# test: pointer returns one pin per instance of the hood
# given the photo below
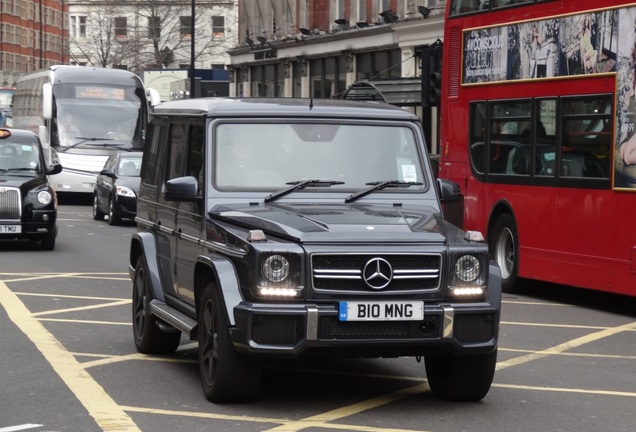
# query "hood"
(319, 223)
(130, 182)
(21, 180)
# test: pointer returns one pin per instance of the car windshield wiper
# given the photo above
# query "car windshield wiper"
(21, 169)
(84, 140)
(301, 184)
(379, 185)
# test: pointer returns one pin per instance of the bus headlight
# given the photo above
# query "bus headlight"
(45, 197)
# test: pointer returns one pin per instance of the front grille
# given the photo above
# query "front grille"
(345, 273)
(10, 204)
(332, 328)
(277, 329)
(474, 328)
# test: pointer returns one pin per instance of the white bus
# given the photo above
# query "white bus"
(84, 114)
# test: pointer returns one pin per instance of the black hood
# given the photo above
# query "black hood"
(21, 180)
(307, 223)
(130, 182)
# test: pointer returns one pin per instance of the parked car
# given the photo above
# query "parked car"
(28, 202)
(298, 228)
(116, 188)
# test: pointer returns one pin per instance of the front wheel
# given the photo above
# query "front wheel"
(97, 213)
(113, 213)
(504, 248)
(461, 378)
(149, 338)
(226, 376)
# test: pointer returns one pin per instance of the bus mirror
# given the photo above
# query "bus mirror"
(153, 97)
(47, 101)
(43, 133)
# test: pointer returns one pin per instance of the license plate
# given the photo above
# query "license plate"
(381, 311)
(10, 229)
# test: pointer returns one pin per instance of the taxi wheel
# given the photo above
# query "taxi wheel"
(226, 376)
(48, 243)
(149, 338)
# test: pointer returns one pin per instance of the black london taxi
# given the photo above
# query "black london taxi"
(299, 228)
(28, 203)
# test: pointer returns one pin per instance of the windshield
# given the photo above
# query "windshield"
(19, 157)
(349, 156)
(92, 122)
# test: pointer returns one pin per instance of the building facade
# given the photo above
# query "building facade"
(33, 35)
(319, 48)
(152, 34)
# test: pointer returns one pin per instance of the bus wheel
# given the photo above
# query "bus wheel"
(504, 248)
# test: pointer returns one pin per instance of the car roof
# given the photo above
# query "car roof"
(21, 136)
(283, 107)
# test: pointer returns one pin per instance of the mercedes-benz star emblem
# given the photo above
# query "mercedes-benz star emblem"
(377, 273)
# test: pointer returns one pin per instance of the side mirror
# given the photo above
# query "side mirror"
(56, 168)
(182, 189)
(108, 173)
(448, 191)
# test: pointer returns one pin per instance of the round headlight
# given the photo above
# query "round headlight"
(44, 197)
(276, 268)
(467, 268)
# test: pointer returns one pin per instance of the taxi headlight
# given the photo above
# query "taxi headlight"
(45, 197)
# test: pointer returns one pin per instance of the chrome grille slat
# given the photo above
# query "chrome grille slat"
(10, 204)
(344, 273)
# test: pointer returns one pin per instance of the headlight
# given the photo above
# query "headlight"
(124, 191)
(280, 276)
(45, 197)
(467, 268)
(276, 268)
(468, 275)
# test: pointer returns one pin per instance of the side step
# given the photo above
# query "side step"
(172, 316)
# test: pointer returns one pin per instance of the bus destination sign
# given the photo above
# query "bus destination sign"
(95, 92)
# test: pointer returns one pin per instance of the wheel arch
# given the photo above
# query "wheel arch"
(142, 244)
(501, 207)
(223, 272)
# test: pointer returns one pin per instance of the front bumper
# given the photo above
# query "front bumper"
(39, 223)
(312, 330)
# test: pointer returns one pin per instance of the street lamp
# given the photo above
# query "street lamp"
(192, 51)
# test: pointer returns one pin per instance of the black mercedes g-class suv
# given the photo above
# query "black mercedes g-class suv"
(292, 228)
(28, 203)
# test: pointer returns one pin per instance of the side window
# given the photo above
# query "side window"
(195, 167)
(151, 154)
(478, 128)
(510, 137)
(176, 150)
(587, 139)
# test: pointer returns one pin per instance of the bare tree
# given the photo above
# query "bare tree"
(142, 34)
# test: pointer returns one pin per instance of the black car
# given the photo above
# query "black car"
(116, 188)
(297, 228)
(28, 202)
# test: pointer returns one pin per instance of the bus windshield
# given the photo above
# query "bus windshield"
(103, 116)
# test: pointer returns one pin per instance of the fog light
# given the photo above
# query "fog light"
(45, 217)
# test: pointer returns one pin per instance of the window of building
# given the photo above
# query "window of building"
(218, 27)
(379, 64)
(121, 27)
(78, 26)
(185, 26)
(154, 27)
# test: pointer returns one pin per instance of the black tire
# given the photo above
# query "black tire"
(149, 338)
(97, 213)
(113, 215)
(461, 378)
(48, 243)
(226, 376)
(504, 249)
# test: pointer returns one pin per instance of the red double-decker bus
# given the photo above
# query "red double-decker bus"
(538, 126)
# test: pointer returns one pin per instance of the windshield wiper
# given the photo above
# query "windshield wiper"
(301, 184)
(21, 169)
(379, 185)
(84, 140)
